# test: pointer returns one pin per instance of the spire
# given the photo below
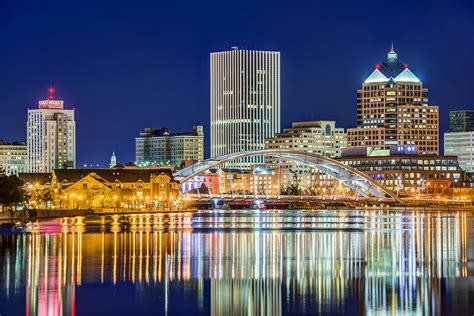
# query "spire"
(392, 54)
(51, 102)
(51, 93)
(113, 160)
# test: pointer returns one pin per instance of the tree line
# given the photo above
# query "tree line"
(12, 191)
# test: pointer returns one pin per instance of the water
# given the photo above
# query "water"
(339, 262)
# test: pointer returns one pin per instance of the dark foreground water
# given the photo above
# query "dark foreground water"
(242, 263)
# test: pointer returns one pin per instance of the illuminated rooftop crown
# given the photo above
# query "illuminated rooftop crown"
(392, 69)
(51, 103)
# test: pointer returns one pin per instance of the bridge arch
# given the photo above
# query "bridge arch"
(348, 176)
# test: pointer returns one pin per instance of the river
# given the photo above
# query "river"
(240, 263)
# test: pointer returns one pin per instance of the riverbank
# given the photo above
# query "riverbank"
(45, 214)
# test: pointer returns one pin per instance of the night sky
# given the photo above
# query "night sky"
(126, 66)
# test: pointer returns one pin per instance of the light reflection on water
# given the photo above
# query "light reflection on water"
(240, 263)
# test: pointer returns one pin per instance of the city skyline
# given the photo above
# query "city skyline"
(124, 105)
(247, 157)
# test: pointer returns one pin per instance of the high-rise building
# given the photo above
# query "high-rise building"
(162, 147)
(392, 109)
(12, 157)
(461, 121)
(51, 141)
(321, 137)
(459, 141)
(245, 102)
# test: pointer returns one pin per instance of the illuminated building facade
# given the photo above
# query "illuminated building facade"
(51, 136)
(402, 169)
(119, 187)
(321, 137)
(262, 181)
(459, 141)
(162, 147)
(205, 183)
(12, 157)
(461, 121)
(392, 109)
(245, 102)
(234, 181)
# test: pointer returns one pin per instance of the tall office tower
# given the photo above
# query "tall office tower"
(459, 141)
(245, 102)
(392, 109)
(51, 142)
(162, 147)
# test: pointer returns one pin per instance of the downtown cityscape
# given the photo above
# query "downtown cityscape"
(247, 201)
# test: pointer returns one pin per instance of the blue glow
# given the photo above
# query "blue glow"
(406, 76)
(376, 76)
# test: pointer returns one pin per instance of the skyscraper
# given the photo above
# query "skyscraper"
(51, 136)
(245, 102)
(393, 110)
(459, 141)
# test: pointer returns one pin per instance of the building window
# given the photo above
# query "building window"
(328, 129)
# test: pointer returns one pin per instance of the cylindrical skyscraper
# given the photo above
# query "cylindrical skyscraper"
(245, 102)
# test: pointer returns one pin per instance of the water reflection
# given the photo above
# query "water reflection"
(243, 263)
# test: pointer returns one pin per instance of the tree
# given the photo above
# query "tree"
(45, 197)
(11, 191)
(294, 188)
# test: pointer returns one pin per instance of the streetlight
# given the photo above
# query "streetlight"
(399, 185)
(420, 183)
(454, 186)
(147, 199)
(79, 198)
(115, 202)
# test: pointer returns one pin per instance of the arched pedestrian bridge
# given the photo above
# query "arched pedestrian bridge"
(346, 175)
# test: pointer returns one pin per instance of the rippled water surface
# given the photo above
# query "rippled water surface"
(239, 263)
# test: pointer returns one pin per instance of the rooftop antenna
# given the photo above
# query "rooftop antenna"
(51, 93)
(391, 48)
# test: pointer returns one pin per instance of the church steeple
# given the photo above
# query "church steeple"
(113, 160)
